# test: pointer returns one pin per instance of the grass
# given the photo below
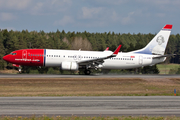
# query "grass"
(165, 68)
(88, 87)
(90, 118)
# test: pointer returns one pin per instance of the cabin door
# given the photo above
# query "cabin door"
(140, 60)
(24, 54)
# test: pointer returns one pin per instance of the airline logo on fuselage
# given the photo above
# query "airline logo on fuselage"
(34, 60)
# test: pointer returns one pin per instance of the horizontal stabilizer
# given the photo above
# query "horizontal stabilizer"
(161, 56)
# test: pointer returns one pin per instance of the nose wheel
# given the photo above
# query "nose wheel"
(87, 72)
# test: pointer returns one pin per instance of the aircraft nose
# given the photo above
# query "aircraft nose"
(5, 58)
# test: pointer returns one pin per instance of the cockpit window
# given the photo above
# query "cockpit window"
(13, 53)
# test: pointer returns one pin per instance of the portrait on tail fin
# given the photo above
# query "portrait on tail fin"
(158, 44)
(159, 49)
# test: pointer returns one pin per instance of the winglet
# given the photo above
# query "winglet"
(117, 50)
(107, 49)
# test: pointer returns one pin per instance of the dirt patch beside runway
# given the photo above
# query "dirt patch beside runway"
(88, 86)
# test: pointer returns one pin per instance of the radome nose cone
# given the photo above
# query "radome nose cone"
(5, 58)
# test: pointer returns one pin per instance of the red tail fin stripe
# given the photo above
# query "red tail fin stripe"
(168, 26)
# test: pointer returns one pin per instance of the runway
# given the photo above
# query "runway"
(86, 76)
(91, 106)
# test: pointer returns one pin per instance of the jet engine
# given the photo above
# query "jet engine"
(69, 66)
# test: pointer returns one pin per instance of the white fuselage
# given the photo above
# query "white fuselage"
(54, 58)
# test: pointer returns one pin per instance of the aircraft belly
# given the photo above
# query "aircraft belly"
(52, 62)
(158, 60)
(120, 65)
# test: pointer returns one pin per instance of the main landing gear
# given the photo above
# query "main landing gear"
(84, 69)
(87, 72)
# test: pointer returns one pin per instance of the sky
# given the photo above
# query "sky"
(119, 16)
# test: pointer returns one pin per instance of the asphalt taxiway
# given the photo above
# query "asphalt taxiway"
(91, 106)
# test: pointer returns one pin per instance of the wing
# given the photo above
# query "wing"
(100, 60)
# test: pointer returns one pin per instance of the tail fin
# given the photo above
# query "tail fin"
(158, 44)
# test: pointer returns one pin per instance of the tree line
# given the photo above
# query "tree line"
(14, 40)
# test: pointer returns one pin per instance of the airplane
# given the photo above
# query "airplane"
(74, 60)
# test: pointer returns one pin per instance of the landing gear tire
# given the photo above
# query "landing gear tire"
(87, 72)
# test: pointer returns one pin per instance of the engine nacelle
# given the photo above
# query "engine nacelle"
(69, 66)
